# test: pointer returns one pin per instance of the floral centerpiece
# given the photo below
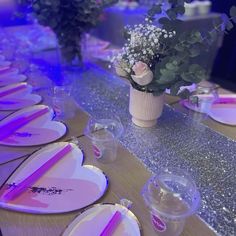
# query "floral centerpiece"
(160, 56)
(68, 19)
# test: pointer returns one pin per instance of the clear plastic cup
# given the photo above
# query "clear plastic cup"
(103, 134)
(203, 7)
(61, 100)
(171, 197)
(203, 97)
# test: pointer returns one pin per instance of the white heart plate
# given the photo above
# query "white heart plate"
(94, 220)
(8, 72)
(39, 131)
(224, 109)
(2, 58)
(18, 99)
(11, 77)
(66, 187)
(4, 65)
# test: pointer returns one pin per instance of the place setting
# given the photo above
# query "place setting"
(107, 219)
(54, 180)
(4, 65)
(206, 100)
(40, 185)
(17, 96)
(11, 75)
(31, 126)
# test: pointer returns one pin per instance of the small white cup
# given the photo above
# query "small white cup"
(103, 134)
(203, 8)
(190, 9)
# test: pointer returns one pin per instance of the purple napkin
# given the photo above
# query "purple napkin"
(112, 224)
(226, 100)
(12, 90)
(4, 69)
(30, 180)
(11, 127)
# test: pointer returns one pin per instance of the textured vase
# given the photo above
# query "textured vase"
(145, 108)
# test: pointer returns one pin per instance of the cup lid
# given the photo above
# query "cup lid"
(111, 126)
(171, 193)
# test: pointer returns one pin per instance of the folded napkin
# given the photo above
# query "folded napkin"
(3, 68)
(31, 179)
(225, 100)
(112, 224)
(12, 126)
(12, 90)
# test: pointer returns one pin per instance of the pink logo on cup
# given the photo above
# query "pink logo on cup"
(158, 223)
(57, 109)
(97, 152)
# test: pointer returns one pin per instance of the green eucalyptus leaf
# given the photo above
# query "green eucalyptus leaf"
(184, 94)
(172, 67)
(229, 26)
(174, 89)
(191, 77)
(164, 21)
(166, 77)
(179, 47)
(179, 9)
(171, 14)
(195, 51)
(194, 68)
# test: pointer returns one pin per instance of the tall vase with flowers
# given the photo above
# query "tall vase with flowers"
(159, 56)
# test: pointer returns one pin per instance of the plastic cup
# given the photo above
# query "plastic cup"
(103, 134)
(190, 9)
(60, 101)
(203, 97)
(171, 196)
(203, 7)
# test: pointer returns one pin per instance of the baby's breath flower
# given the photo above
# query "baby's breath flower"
(143, 45)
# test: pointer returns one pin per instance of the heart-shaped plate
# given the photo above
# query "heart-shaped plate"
(66, 187)
(8, 71)
(39, 131)
(2, 58)
(95, 219)
(4, 64)
(17, 96)
(11, 77)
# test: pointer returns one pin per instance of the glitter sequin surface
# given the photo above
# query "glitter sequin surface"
(177, 140)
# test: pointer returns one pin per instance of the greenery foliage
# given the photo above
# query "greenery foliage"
(175, 65)
(69, 19)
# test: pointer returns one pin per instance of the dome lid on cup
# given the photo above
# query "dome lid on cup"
(171, 193)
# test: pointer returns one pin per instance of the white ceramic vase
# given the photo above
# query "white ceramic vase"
(145, 108)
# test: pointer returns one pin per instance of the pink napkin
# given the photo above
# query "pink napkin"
(11, 127)
(112, 224)
(12, 90)
(30, 180)
(3, 69)
(226, 100)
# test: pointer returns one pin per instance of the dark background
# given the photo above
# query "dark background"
(224, 70)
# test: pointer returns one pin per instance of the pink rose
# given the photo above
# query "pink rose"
(143, 74)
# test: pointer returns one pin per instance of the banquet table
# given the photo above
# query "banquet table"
(123, 183)
(177, 140)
